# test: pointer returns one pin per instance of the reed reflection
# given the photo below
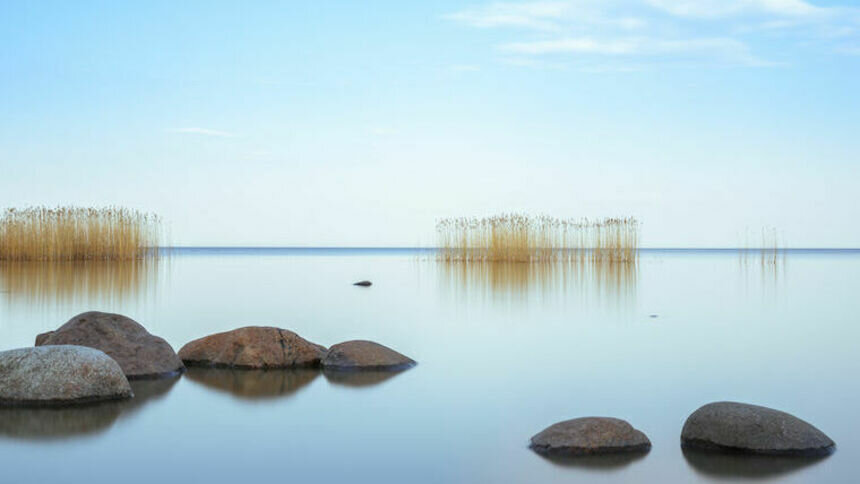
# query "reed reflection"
(601, 280)
(47, 282)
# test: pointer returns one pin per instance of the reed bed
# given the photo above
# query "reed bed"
(535, 239)
(77, 234)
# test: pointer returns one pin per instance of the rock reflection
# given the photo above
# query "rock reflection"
(70, 282)
(722, 465)
(253, 384)
(359, 379)
(611, 280)
(607, 462)
(78, 421)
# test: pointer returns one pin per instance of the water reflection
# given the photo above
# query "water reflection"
(253, 384)
(615, 281)
(720, 465)
(607, 462)
(359, 378)
(77, 421)
(38, 283)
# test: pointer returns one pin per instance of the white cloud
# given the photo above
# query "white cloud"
(724, 8)
(535, 15)
(204, 132)
(728, 50)
(665, 30)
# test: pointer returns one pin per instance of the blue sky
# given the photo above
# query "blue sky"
(361, 123)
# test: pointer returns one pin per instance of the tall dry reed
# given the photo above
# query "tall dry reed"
(524, 238)
(77, 234)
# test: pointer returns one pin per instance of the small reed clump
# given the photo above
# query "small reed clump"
(77, 234)
(523, 238)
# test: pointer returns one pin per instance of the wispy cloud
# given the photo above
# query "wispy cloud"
(204, 132)
(725, 8)
(729, 50)
(535, 15)
(651, 31)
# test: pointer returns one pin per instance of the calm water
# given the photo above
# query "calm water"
(503, 352)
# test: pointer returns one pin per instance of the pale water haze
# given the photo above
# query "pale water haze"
(361, 123)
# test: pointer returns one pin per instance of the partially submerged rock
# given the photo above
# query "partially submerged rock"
(252, 347)
(139, 353)
(364, 355)
(589, 436)
(751, 429)
(59, 375)
(363, 283)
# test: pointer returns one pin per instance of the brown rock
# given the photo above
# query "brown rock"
(252, 347)
(139, 353)
(364, 355)
(588, 436)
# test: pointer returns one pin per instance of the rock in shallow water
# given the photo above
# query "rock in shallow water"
(589, 436)
(253, 347)
(745, 428)
(364, 355)
(139, 353)
(59, 375)
(363, 283)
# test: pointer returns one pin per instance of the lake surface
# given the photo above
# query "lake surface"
(503, 352)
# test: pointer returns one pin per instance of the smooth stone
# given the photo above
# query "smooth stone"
(589, 436)
(59, 375)
(139, 353)
(364, 355)
(252, 348)
(751, 429)
(363, 283)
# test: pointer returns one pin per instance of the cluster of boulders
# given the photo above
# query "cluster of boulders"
(721, 426)
(93, 356)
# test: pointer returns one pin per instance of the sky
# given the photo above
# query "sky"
(363, 123)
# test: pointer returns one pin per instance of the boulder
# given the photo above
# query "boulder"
(253, 347)
(363, 283)
(364, 355)
(589, 436)
(139, 353)
(751, 429)
(59, 375)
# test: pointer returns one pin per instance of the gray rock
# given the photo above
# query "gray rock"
(363, 283)
(139, 353)
(744, 428)
(589, 436)
(59, 375)
(364, 355)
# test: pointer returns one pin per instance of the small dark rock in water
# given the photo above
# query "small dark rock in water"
(59, 375)
(652, 316)
(252, 347)
(363, 283)
(750, 429)
(139, 353)
(589, 436)
(364, 355)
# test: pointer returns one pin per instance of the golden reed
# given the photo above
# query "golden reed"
(77, 234)
(524, 238)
